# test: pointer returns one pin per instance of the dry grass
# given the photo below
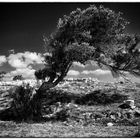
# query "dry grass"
(59, 129)
(62, 129)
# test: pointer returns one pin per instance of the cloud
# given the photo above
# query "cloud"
(100, 71)
(88, 63)
(2, 60)
(24, 60)
(73, 73)
(27, 73)
(78, 64)
(96, 72)
(11, 51)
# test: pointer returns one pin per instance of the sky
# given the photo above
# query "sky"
(22, 26)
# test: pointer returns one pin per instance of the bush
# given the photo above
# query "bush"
(61, 111)
(137, 135)
(23, 106)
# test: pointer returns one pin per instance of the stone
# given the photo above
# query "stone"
(119, 114)
(128, 104)
(137, 112)
(113, 117)
(110, 124)
(124, 106)
(4, 94)
(129, 115)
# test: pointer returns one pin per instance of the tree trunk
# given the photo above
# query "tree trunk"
(52, 82)
(37, 97)
(31, 109)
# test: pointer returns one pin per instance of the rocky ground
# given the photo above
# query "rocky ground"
(83, 108)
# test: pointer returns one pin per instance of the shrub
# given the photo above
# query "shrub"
(137, 135)
(23, 107)
(61, 111)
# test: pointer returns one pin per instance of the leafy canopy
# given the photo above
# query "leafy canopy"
(18, 77)
(96, 34)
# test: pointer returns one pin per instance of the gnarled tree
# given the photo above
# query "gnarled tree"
(96, 34)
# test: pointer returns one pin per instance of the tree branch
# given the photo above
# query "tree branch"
(64, 73)
(51, 83)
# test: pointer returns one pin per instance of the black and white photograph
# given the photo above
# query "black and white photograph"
(69, 69)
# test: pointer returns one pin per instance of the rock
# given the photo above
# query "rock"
(110, 124)
(137, 112)
(113, 117)
(71, 105)
(124, 106)
(133, 107)
(98, 116)
(4, 94)
(66, 123)
(2, 99)
(129, 115)
(119, 114)
(128, 104)
(1, 109)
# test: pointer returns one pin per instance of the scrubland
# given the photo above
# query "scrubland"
(81, 109)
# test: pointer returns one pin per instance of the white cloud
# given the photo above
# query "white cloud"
(100, 71)
(22, 63)
(27, 73)
(88, 63)
(2, 60)
(11, 51)
(96, 72)
(47, 54)
(73, 72)
(24, 60)
(86, 72)
(78, 64)
(33, 57)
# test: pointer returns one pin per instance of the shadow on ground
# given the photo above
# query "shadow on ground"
(97, 97)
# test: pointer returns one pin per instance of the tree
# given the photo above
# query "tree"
(17, 77)
(41, 74)
(96, 34)
(2, 74)
(126, 56)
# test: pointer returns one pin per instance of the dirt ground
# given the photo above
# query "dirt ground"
(59, 129)
(64, 129)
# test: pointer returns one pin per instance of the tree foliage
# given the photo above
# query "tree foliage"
(41, 74)
(127, 58)
(2, 74)
(96, 34)
(18, 77)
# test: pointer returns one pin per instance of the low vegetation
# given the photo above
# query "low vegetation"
(80, 114)
(94, 34)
